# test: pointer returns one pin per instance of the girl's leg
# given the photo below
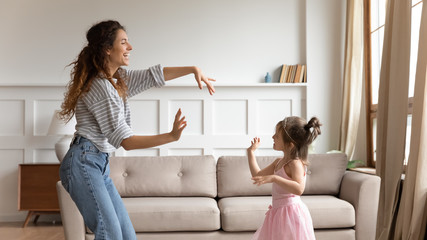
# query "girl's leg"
(82, 174)
(128, 231)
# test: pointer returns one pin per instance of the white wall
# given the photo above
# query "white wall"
(233, 41)
(236, 42)
(325, 58)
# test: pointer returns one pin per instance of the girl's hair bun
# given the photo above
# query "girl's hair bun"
(315, 124)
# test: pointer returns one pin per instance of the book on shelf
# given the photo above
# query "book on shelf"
(286, 73)
(301, 79)
(289, 76)
(298, 73)
(293, 73)
(305, 75)
(282, 73)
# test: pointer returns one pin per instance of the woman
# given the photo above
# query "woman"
(97, 95)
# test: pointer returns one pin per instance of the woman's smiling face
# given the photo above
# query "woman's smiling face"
(118, 55)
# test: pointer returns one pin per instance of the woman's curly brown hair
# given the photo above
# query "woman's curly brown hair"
(91, 63)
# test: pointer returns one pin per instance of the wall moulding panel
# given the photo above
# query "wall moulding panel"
(34, 112)
(221, 124)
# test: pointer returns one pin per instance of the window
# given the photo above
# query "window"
(375, 15)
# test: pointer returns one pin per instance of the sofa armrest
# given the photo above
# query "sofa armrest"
(72, 220)
(362, 191)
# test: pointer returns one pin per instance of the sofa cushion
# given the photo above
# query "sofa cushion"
(335, 234)
(166, 214)
(325, 173)
(243, 213)
(247, 213)
(164, 176)
(234, 177)
(330, 211)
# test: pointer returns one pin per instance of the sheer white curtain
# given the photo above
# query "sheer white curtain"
(353, 70)
(392, 112)
(411, 219)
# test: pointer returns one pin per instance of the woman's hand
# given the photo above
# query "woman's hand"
(141, 142)
(200, 77)
(176, 72)
(178, 126)
(254, 144)
(259, 180)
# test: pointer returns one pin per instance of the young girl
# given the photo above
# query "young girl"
(288, 218)
(97, 95)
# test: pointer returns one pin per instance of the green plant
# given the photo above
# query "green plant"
(350, 163)
(353, 163)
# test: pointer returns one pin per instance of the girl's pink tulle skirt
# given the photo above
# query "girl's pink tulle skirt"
(287, 219)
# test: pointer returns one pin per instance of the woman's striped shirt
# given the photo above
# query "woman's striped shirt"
(102, 115)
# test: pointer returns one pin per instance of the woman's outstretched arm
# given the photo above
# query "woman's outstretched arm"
(176, 72)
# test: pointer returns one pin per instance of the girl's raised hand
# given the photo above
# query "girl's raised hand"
(200, 77)
(178, 126)
(254, 144)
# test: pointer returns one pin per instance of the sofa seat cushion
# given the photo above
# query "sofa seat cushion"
(247, 213)
(243, 213)
(165, 214)
(330, 212)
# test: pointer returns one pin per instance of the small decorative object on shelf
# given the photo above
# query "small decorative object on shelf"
(268, 78)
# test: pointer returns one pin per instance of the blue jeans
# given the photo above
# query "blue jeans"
(84, 174)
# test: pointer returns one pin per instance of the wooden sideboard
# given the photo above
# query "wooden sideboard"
(37, 189)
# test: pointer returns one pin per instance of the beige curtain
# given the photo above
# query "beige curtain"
(392, 112)
(411, 220)
(353, 70)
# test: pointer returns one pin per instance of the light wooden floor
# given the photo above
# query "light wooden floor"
(39, 231)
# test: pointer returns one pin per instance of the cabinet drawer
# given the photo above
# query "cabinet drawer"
(37, 187)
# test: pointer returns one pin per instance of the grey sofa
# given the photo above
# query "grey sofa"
(197, 197)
